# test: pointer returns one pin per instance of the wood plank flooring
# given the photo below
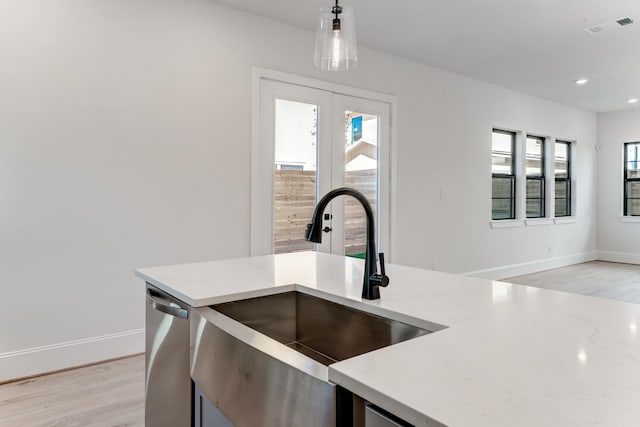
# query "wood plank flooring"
(112, 394)
(105, 395)
(597, 278)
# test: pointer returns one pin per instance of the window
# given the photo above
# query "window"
(632, 179)
(289, 167)
(562, 167)
(503, 147)
(535, 176)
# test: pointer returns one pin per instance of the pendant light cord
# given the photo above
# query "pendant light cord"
(337, 9)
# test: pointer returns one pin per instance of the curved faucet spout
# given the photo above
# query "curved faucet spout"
(372, 280)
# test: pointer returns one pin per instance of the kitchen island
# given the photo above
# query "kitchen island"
(508, 355)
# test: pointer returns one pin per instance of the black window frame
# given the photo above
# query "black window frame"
(536, 178)
(564, 181)
(626, 179)
(511, 176)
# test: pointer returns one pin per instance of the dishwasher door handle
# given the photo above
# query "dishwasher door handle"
(165, 306)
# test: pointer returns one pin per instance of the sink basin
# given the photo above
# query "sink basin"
(265, 360)
(322, 330)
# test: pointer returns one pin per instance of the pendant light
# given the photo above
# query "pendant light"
(336, 46)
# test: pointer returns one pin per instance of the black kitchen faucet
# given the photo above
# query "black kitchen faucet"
(372, 280)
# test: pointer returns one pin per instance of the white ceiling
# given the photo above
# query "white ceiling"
(535, 46)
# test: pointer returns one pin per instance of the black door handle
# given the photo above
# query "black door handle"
(327, 229)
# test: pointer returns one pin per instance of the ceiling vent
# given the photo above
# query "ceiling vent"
(609, 26)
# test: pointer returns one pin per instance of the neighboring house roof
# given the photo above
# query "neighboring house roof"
(361, 148)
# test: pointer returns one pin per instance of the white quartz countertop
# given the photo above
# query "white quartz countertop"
(510, 355)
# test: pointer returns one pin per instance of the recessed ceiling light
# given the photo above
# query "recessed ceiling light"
(632, 100)
(581, 82)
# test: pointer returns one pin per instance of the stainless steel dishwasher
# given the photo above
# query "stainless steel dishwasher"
(168, 387)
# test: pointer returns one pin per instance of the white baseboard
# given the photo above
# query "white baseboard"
(619, 257)
(38, 360)
(507, 271)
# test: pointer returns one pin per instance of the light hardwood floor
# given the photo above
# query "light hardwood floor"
(597, 278)
(105, 395)
(112, 394)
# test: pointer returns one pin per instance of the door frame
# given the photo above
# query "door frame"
(257, 230)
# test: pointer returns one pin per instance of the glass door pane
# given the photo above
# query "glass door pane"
(295, 174)
(361, 173)
(310, 142)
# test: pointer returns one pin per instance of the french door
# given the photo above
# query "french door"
(312, 141)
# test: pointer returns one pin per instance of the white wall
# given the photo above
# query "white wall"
(125, 142)
(446, 219)
(617, 241)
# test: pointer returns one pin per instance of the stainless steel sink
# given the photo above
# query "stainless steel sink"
(264, 361)
(323, 330)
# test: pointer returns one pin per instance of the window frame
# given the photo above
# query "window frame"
(566, 180)
(511, 176)
(626, 179)
(541, 179)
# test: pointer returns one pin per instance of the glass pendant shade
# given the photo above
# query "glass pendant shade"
(336, 45)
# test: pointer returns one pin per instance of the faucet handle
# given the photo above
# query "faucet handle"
(381, 256)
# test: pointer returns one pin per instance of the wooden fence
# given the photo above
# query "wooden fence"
(295, 199)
